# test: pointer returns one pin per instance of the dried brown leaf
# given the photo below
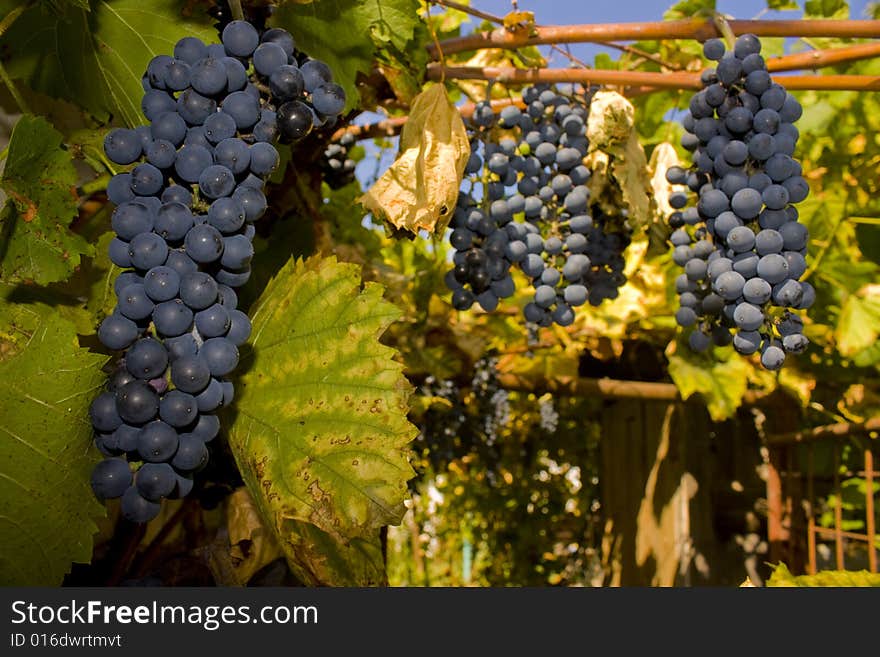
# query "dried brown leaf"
(419, 191)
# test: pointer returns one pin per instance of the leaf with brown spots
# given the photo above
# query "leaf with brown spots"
(321, 431)
(35, 241)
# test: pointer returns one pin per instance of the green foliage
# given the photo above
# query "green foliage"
(779, 5)
(46, 454)
(868, 237)
(521, 501)
(370, 26)
(859, 323)
(321, 429)
(96, 58)
(782, 577)
(826, 9)
(722, 383)
(690, 9)
(40, 181)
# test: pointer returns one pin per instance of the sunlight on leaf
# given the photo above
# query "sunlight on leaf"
(420, 189)
(321, 429)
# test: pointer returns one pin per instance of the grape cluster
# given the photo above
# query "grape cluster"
(470, 422)
(183, 223)
(741, 246)
(525, 202)
(337, 167)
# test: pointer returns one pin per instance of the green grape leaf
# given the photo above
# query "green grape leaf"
(370, 25)
(826, 9)
(690, 9)
(40, 181)
(46, 456)
(783, 577)
(321, 431)
(779, 5)
(868, 236)
(96, 58)
(721, 383)
(859, 323)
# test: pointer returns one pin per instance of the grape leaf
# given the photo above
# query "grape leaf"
(783, 577)
(721, 383)
(612, 135)
(419, 191)
(46, 456)
(369, 25)
(40, 181)
(690, 9)
(321, 432)
(96, 58)
(826, 9)
(859, 323)
(868, 237)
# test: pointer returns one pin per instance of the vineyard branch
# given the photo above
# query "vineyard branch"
(697, 29)
(450, 4)
(813, 59)
(392, 126)
(679, 80)
(839, 430)
(582, 387)
(800, 61)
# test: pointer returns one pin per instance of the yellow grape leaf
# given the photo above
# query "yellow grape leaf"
(662, 158)
(419, 191)
(783, 577)
(519, 20)
(859, 322)
(252, 545)
(321, 431)
(721, 383)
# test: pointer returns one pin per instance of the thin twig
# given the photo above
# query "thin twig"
(13, 90)
(468, 10)
(9, 19)
(677, 80)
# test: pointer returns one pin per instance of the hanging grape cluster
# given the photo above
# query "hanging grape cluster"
(525, 202)
(741, 246)
(336, 165)
(184, 222)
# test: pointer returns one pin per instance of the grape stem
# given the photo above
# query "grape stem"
(656, 81)
(236, 10)
(826, 431)
(13, 90)
(723, 26)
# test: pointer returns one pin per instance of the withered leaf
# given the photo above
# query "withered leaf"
(419, 191)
